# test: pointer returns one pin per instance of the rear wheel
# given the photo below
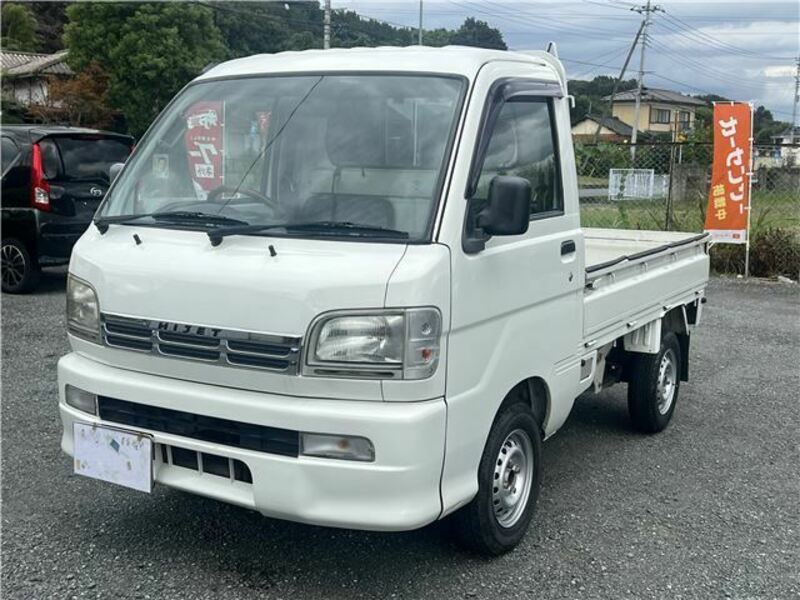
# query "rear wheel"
(509, 477)
(18, 269)
(654, 386)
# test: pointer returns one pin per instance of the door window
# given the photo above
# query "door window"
(523, 144)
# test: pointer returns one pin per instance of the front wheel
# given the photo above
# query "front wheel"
(18, 269)
(509, 478)
(654, 385)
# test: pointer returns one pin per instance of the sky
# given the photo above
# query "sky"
(745, 51)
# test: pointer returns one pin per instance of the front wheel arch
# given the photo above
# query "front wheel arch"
(534, 393)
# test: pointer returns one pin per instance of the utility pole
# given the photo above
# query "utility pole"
(326, 27)
(646, 10)
(607, 109)
(419, 32)
(796, 94)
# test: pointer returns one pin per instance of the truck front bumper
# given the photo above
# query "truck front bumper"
(398, 491)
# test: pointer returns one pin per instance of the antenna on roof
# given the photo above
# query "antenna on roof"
(552, 48)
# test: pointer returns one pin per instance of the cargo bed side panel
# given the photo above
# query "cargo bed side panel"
(625, 297)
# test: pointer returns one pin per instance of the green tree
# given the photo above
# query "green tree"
(80, 100)
(148, 50)
(478, 33)
(303, 41)
(351, 30)
(51, 18)
(255, 28)
(765, 126)
(589, 95)
(18, 28)
(438, 37)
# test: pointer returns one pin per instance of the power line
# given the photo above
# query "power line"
(609, 58)
(621, 75)
(281, 20)
(703, 68)
(704, 91)
(604, 5)
(705, 35)
(546, 19)
(540, 24)
(700, 37)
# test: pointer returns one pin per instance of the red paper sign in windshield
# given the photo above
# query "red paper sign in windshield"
(205, 143)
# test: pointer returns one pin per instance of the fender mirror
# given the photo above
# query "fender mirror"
(508, 208)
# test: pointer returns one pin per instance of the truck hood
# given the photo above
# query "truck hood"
(179, 277)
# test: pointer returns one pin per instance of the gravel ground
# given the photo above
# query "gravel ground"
(707, 509)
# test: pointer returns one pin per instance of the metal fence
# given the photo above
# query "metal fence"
(664, 186)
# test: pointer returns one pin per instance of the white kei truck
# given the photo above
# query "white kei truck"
(350, 288)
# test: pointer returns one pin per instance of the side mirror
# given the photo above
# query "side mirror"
(113, 171)
(508, 208)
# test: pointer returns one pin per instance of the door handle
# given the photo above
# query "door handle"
(567, 247)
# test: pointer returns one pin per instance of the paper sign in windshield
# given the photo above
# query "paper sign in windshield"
(205, 144)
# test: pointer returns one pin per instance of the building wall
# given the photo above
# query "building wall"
(588, 127)
(27, 91)
(625, 112)
(584, 131)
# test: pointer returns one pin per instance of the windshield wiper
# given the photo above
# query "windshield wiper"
(175, 216)
(347, 228)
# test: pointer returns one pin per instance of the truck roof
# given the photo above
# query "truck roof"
(456, 60)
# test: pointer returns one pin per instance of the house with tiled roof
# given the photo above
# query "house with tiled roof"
(611, 129)
(787, 144)
(26, 75)
(661, 111)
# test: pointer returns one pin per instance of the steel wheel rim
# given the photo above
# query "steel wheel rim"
(512, 478)
(667, 381)
(12, 265)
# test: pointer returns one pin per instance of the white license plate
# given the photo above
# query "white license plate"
(114, 455)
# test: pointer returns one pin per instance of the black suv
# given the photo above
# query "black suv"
(53, 180)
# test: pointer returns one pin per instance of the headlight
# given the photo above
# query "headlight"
(83, 311)
(394, 344)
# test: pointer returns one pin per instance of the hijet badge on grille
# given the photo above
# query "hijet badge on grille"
(227, 347)
(188, 329)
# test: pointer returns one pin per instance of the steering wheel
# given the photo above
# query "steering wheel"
(216, 195)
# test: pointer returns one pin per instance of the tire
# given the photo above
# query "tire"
(19, 271)
(513, 453)
(654, 385)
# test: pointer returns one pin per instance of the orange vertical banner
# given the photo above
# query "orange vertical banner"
(729, 195)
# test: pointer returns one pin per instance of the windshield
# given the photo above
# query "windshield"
(363, 150)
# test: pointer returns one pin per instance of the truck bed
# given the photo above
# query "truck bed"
(633, 277)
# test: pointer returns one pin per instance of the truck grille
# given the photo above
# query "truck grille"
(247, 436)
(196, 342)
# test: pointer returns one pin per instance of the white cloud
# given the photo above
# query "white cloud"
(781, 71)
